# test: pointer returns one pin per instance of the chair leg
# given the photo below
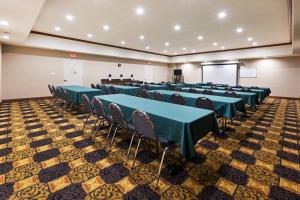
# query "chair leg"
(86, 121)
(160, 166)
(136, 152)
(108, 134)
(112, 140)
(70, 107)
(93, 130)
(129, 148)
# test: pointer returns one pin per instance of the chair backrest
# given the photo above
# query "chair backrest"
(64, 94)
(99, 108)
(59, 92)
(113, 90)
(204, 103)
(192, 90)
(144, 126)
(254, 87)
(117, 115)
(93, 85)
(105, 89)
(157, 96)
(169, 86)
(86, 104)
(146, 87)
(231, 94)
(208, 92)
(50, 89)
(144, 94)
(177, 99)
(98, 86)
(54, 91)
(178, 89)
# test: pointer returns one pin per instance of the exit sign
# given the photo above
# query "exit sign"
(72, 55)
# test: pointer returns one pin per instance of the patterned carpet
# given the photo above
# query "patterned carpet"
(44, 155)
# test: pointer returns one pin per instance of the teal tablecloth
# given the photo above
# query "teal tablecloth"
(123, 89)
(225, 106)
(155, 87)
(76, 91)
(176, 123)
(248, 97)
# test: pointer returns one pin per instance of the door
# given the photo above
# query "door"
(73, 72)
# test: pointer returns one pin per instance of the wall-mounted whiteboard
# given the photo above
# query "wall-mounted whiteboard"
(248, 72)
(220, 74)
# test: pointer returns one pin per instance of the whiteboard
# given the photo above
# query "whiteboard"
(248, 72)
(220, 74)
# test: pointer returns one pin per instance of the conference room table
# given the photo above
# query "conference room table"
(225, 106)
(75, 92)
(176, 123)
(124, 89)
(155, 87)
(249, 98)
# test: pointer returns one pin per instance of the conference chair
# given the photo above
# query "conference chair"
(86, 108)
(102, 116)
(178, 89)
(144, 94)
(113, 90)
(51, 92)
(157, 96)
(67, 99)
(146, 131)
(231, 94)
(93, 85)
(208, 92)
(192, 90)
(105, 89)
(98, 86)
(119, 122)
(146, 87)
(177, 99)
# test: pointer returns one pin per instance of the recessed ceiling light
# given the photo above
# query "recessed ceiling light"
(249, 38)
(222, 47)
(183, 48)
(200, 37)
(4, 23)
(177, 27)
(139, 11)
(193, 51)
(167, 43)
(89, 35)
(175, 53)
(69, 17)
(222, 15)
(254, 43)
(239, 30)
(56, 28)
(106, 27)
(6, 37)
(215, 44)
(142, 37)
(123, 42)
(147, 47)
(165, 51)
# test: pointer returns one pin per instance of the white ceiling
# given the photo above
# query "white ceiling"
(20, 16)
(264, 20)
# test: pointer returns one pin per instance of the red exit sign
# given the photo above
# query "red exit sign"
(72, 55)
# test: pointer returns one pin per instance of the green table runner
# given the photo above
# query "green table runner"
(225, 106)
(75, 92)
(176, 123)
(248, 97)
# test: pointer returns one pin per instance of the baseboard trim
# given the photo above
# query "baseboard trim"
(25, 99)
(289, 98)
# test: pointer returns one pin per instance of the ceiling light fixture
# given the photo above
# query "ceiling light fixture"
(89, 35)
(139, 11)
(56, 28)
(123, 42)
(239, 30)
(183, 48)
(165, 51)
(222, 47)
(106, 27)
(142, 37)
(177, 27)
(222, 15)
(215, 44)
(69, 17)
(6, 36)
(167, 43)
(175, 53)
(249, 38)
(147, 47)
(4, 23)
(254, 43)
(193, 51)
(200, 37)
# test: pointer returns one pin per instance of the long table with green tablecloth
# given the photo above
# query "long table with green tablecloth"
(225, 106)
(182, 124)
(75, 92)
(155, 87)
(248, 97)
(124, 89)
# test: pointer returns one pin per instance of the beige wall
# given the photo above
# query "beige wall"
(26, 72)
(282, 75)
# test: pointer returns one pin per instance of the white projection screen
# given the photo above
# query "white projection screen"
(220, 74)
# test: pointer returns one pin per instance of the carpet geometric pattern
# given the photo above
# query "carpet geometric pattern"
(45, 155)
